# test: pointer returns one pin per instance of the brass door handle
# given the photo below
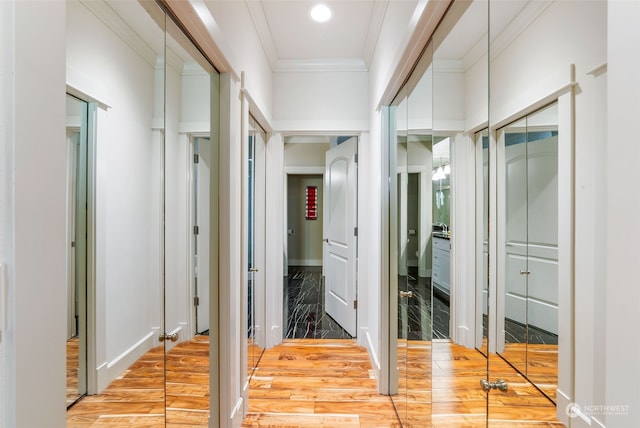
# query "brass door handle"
(406, 294)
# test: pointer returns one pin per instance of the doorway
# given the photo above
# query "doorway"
(321, 210)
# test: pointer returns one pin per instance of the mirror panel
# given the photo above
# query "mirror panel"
(256, 195)
(187, 112)
(398, 238)
(530, 250)
(77, 125)
(542, 284)
(420, 263)
(482, 240)
(152, 212)
(460, 113)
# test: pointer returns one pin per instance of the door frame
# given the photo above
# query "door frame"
(294, 170)
(91, 197)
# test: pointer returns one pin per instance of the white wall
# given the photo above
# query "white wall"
(32, 220)
(320, 101)
(305, 155)
(620, 342)
(239, 42)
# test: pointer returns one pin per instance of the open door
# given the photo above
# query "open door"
(340, 234)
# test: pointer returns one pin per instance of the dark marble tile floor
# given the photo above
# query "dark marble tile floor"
(304, 300)
(425, 316)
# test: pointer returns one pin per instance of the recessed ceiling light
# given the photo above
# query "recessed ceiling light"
(321, 13)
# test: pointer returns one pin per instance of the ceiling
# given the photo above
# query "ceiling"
(292, 41)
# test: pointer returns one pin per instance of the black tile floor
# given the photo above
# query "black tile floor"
(304, 298)
(425, 316)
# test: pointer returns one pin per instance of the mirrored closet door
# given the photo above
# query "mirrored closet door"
(255, 232)
(411, 234)
(148, 273)
(529, 277)
(77, 188)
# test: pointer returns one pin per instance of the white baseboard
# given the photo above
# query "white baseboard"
(305, 262)
(562, 402)
(237, 414)
(276, 336)
(123, 361)
(373, 356)
(102, 378)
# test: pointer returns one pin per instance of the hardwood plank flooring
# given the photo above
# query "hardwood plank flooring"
(72, 370)
(137, 397)
(318, 383)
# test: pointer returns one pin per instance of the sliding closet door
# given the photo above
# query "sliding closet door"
(398, 269)
(187, 116)
(528, 280)
(151, 91)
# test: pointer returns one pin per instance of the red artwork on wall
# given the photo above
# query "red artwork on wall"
(311, 210)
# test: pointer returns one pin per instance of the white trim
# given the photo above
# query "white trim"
(305, 262)
(321, 127)
(423, 23)
(304, 170)
(123, 361)
(120, 28)
(194, 128)
(81, 86)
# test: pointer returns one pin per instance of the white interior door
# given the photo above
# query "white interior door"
(340, 242)
(202, 172)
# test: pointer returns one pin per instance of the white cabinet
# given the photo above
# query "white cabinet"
(441, 264)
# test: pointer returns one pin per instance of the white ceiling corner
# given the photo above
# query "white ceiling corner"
(293, 43)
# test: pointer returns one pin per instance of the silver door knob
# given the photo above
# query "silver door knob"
(172, 337)
(500, 385)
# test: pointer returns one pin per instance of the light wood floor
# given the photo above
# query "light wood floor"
(72, 370)
(313, 383)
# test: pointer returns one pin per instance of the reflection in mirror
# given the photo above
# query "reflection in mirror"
(77, 168)
(420, 262)
(398, 236)
(187, 118)
(411, 233)
(441, 227)
(530, 249)
(256, 194)
(460, 110)
(482, 240)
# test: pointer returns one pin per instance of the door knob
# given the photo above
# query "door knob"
(499, 384)
(172, 337)
(525, 272)
(325, 240)
(253, 269)
(406, 294)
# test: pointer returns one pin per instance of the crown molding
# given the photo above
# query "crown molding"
(115, 23)
(316, 65)
(375, 26)
(264, 32)
(518, 25)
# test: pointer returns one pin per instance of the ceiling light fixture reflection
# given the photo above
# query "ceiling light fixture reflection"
(321, 13)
